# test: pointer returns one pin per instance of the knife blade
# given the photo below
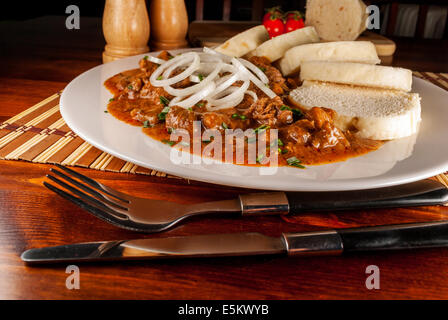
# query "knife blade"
(327, 242)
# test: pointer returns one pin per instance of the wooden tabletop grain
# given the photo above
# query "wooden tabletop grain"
(40, 57)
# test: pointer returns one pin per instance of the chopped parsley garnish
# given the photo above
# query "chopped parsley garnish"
(284, 151)
(261, 128)
(239, 116)
(225, 126)
(105, 111)
(201, 77)
(162, 115)
(160, 78)
(111, 99)
(146, 124)
(190, 109)
(169, 130)
(145, 58)
(200, 104)
(130, 87)
(184, 144)
(293, 161)
(280, 143)
(262, 69)
(171, 143)
(260, 158)
(164, 101)
(296, 112)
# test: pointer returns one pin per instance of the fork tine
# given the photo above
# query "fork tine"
(90, 191)
(120, 196)
(120, 214)
(105, 216)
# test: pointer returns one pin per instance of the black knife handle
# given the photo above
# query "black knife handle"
(389, 237)
(420, 193)
(395, 237)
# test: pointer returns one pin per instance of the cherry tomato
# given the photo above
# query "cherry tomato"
(272, 11)
(294, 21)
(275, 26)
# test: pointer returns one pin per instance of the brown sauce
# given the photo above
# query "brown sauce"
(309, 136)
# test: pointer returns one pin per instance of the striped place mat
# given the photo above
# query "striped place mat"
(40, 135)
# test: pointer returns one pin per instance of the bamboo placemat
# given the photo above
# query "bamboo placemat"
(40, 135)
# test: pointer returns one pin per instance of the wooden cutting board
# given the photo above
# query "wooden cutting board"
(213, 33)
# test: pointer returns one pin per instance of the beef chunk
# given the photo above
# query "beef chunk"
(276, 81)
(269, 112)
(180, 118)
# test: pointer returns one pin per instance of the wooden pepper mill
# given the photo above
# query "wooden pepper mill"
(169, 24)
(125, 28)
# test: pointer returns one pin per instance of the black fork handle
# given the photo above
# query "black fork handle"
(420, 193)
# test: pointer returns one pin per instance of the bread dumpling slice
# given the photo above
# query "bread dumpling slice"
(348, 51)
(337, 20)
(275, 48)
(244, 42)
(375, 113)
(359, 74)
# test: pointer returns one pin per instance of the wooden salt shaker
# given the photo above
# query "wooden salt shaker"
(169, 24)
(125, 28)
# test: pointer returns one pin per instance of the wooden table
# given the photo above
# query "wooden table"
(39, 58)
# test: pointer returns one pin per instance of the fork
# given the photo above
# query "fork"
(148, 215)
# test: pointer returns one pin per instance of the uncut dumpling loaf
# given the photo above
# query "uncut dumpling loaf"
(336, 20)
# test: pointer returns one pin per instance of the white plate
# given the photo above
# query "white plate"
(401, 161)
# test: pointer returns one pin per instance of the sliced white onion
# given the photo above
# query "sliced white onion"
(271, 94)
(260, 74)
(195, 88)
(252, 94)
(195, 98)
(186, 57)
(236, 94)
(217, 89)
(154, 59)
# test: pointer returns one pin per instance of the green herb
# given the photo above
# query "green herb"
(105, 111)
(145, 58)
(293, 161)
(170, 57)
(200, 104)
(297, 112)
(262, 69)
(280, 143)
(225, 126)
(164, 101)
(260, 158)
(284, 151)
(238, 116)
(201, 77)
(190, 109)
(171, 143)
(162, 115)
(146, 124)
(111, 99)
(130, 87)
(184, 144)
(160, 78)
(261, 128)
(169, 130)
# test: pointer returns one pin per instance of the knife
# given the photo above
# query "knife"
(328, 242)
